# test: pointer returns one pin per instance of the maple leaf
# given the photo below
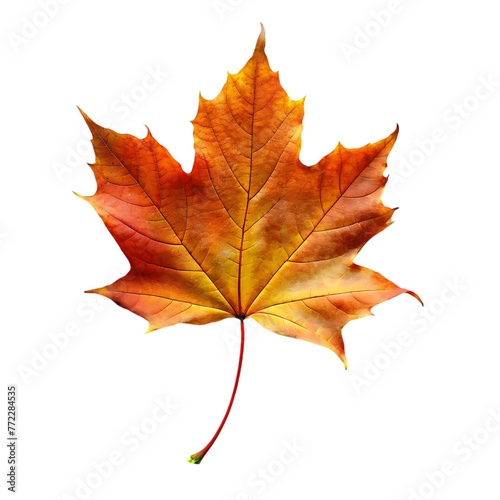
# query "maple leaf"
(251, 231)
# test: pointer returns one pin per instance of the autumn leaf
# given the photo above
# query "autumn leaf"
(251, 231)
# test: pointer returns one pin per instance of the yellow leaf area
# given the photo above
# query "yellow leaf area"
(251, 231)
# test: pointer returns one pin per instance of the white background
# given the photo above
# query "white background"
(376, 431)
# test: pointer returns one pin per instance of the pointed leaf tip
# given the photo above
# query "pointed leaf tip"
(85, 116)
(151, 328)
(413, 294)
(90, 123)
(149, 134)
(343, 359)
(261, 41)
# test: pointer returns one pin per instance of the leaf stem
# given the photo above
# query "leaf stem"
(196, 458)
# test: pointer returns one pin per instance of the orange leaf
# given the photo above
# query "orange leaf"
(251, 231)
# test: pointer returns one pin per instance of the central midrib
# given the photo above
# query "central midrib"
(240, 310)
